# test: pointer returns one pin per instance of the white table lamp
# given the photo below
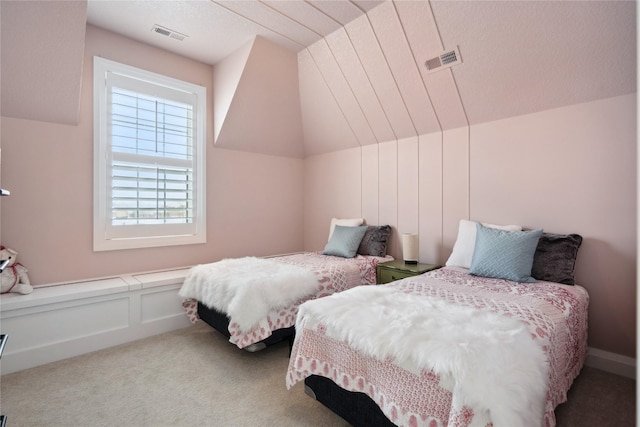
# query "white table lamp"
(410, 248)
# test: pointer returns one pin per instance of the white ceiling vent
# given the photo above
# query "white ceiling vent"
(444, 60)
(169, 33)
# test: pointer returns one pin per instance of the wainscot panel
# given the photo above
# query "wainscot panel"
(65, 320)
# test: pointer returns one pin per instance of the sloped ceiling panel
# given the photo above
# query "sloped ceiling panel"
(404, 68)
(351, 66)
(42, 70)
(301, 11)
(217, 28)
(517, 58)
(265, 15)
(367, 5)
(343, 11)
(226, 78)
(375, 65)
(341, 91)
(324, 126)
(214, 30)
(264, 115)
(423, 37)
(522, 57)
(377, 80)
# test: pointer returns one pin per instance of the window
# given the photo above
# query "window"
(149, 159)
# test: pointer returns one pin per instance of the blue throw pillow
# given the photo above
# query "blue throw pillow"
(504, 254)
(344, 241)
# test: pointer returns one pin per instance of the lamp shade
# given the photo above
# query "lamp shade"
(410, 248)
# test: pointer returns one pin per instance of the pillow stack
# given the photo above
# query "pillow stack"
(348, 237)
(508, 252)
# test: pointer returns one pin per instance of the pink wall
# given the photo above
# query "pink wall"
(567, 170)
(48, 168)
(332, 184)
(571, 170)
(265, 94)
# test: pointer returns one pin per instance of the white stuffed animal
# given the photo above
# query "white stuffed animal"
(14, 276)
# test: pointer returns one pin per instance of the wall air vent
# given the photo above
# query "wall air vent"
(444, 60)
(168, 33)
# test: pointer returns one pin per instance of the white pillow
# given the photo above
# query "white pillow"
(353, 222)
(466, 242)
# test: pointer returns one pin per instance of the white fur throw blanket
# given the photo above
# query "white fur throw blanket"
(246, 289)
(488, 361)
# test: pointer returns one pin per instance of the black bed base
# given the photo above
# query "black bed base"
(220, 322)
(356, 408)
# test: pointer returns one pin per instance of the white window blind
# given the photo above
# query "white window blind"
(150, 168)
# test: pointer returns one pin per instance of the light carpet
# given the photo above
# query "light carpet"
(191, 377)
(194, 377)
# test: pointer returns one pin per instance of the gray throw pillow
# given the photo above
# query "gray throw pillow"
(555, 258)
(375, 241)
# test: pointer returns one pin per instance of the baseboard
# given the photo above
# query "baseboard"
(62, 321)
(611, 362)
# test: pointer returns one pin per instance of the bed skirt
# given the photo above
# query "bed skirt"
(356, 408)
(220, 322)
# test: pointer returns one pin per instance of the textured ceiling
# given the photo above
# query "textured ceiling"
(518, 58)
(215, 29)
(43, 40)
(526, 56)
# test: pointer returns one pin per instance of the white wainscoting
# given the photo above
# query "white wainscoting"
(60, 321)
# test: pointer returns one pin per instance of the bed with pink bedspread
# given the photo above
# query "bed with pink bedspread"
(446, 348)
(262, 308)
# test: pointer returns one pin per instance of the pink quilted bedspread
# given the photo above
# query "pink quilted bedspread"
(335, 274)
(554, 314)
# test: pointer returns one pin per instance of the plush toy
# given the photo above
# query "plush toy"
(14, 275)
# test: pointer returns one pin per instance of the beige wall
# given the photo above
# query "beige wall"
(254, 202)
(567, 170)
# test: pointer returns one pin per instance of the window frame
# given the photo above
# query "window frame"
(156, 235)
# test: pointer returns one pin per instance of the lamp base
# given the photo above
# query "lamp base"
(406, 261)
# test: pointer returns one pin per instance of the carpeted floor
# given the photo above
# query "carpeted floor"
(599, 399)
(193, 377)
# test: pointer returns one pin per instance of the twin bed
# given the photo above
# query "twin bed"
(487, 340)
(262, 309)
(254, 301)
(443, 349)
(495, 338)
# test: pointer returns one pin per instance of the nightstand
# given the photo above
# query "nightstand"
(395, 270)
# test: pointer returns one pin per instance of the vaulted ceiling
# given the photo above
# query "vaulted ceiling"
(517, 58)
(360, 64)
(217, 28)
